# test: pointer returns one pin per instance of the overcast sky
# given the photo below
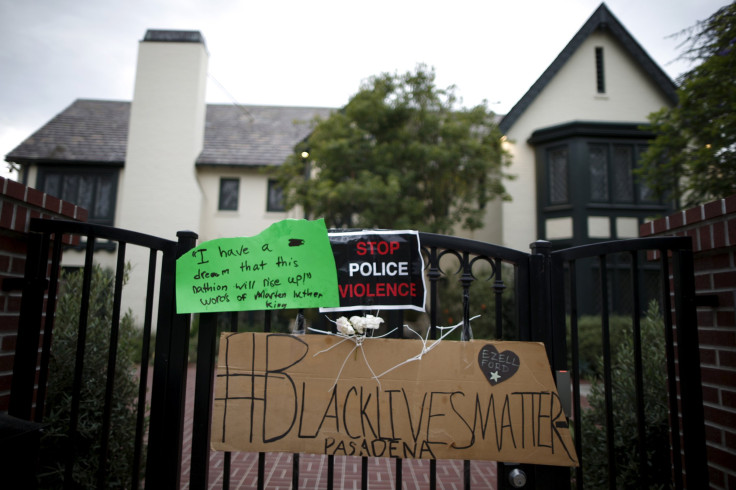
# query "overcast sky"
(305, 53)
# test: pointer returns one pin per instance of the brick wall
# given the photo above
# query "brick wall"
(712, 228)
(18, 204)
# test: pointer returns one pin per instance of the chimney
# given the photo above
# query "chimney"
(160, 192)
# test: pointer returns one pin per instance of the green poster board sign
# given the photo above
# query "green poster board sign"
(288, 265)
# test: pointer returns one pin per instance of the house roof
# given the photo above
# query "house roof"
(95, 132)
(602, 19)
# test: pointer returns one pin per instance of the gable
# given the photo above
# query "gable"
(601, 25)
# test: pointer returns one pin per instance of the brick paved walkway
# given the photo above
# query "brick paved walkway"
(313, 468)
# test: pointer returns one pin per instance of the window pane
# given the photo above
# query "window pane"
(598, 172)
(275, 196)
(86, 192)
(70, 187)
(229, 190)
(557, 159)
(623, 181)
(103, 198)
(51, 185)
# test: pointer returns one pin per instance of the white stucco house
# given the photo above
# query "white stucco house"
(167, 161)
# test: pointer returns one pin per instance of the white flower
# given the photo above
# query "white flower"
(373, 322)
(344, 326)
(359, 323)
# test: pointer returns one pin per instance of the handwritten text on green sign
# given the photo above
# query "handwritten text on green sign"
(289, 265)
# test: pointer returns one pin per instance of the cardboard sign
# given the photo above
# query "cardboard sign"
(378, 270)
(289, 265)
(477, 400)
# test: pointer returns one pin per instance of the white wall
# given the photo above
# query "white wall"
(251, 216)
(572, 96)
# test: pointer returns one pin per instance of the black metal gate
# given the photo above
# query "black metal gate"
(521, 296)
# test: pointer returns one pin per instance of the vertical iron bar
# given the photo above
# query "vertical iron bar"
(671, 371)
(227, 457)
(608, 389)
(262, 456)
(295, 471)
(638, 369)
(145, 356)
(498, 288)
(112, 356)
(466, 280)
(203, 389)
(364, 473)
(399, 475)
(163, 468)
(330, 472)
(48, 327)
(693, 428)
(575, 345)
(71, 454)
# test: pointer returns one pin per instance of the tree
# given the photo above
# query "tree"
(694, 151)
(400, 155)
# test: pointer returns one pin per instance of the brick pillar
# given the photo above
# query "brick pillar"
(18, 204)
(712, 228)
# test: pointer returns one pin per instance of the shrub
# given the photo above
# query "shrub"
(55, 444)
(590, 341)
(656, 444)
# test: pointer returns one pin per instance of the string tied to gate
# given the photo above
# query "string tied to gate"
(363, 333)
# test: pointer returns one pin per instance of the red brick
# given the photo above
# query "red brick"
(15, 190)
(713, 209)
(67, 209)
(8, 343)
(719, 234)
(21, 218)
(709, 336)
(730, 204)
(703, 282)
(725, 318)
(12, 245)
(34, 197)
(713, 435)
(6, 214)
(705, 317)
(725, 299)
(727, 359)
(677, 220)
(645, 229)
(728, 399)
(726, 459)
(659, 225)
(52, 203)
(710, 395)
(18, 266)
(4, 264)
(722, 280)
(693, 215)
(731, 227)
(716, 376)
(716, 477)
(706, 241)
(708, 356)
(81, 214)
(712, 261)
(8, 323)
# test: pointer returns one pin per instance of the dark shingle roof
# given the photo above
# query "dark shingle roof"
(96, 132)
(88, 131)
(601, 19)
(254, 135)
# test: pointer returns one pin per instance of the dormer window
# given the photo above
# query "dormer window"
(600, 79)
